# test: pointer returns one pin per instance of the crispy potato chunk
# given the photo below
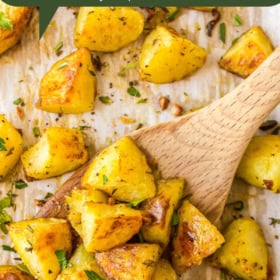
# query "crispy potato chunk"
(259, 165)
(18, 18)
(58, 151)
(160, 209)
(10, 146)
(37, 240)
(164, 271)
(107, 226)
(75, 202)
(129, 262)
(81, 262)
(244, 254)
(167, 56)
(107, 29)
(121, 170)
(10, 272)
(247, 53)
(196, 238)
(70, 85)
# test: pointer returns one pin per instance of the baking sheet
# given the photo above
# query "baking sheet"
(22, 68)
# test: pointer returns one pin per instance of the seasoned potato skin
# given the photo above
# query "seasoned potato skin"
(247, 53)
(129, 262)
(196, 238)
(259, 165)
(69, 86)
(107, 29)
(121, 170)
(58, 151)
(164, 271)
(37, 240)
(19, 17)
(10, 272)
(167, 56)
(107, 226)
(244, 253)
(13, 144)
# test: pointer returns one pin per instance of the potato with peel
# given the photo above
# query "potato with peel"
(13, 273)
(70, 85)
(166, 56)
(37, 240)
(58, 151)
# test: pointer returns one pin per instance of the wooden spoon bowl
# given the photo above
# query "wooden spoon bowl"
(204, 147)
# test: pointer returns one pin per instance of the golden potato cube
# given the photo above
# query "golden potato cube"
(13, 273)
(164, 271)
(18, 18)
(10, 146)
(129, 262)
(75, 203)
(247, 53)
(106, 226)
(161, 210)
(167, 56)
(81, 261)
(107, 29)
(70, 85)
(58, 151)
(196, 238)
(244, 253)
(259, 165)
(121, 170)
(36, 242)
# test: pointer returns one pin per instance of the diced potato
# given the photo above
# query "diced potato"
(10, 272)
(10, 146)
(129, 262)
(106, 226)
(70, 85)
(81, 261)
(247, 53)
(244, 254)
(167, 56)
(107, 29)
(164, 271)
(259, 165)
(58, 151)
(36, 242)
(76, 201)
(121, 170)
(161, 210)
(18, 18)
(196, 238)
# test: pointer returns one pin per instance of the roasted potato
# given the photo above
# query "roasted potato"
(244, 253)
(247, 53)
(10, 146)
(81, 263)
(164, 271)
(107, 29)
(129, 262)
(75, 204)
(160, 209)
(37, 240)
(121, 170)
(195, 239)
(16, 20)
(70, 85)
(259, 165)
(167, 56)
(58, 151)
(10, 272)
(106, 226)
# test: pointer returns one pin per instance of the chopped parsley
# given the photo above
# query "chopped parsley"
(105, 99)
(62, 65)
(61, 257)
(237, 205)
(175, 219)
(105, 179)
(223, 32)
(141, 237)
(23, 267)
(237, 21)
(173, 14)
(127, 67)
(2, 145)
(58, 47)
(18, 101)
(8, 248)
(133, 91)
(36, 131)
(142, 101)
(20, 184)
(5, 218)
(135, 203)
(91, 275)
(274, 221)
(5, 22)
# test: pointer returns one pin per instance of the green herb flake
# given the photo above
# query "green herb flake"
(134, 204)
(58, 47)
(172, 15)
(127, 67)
(92, 72)
(2, 145)
(8, 249)
(175, 219)
(36, 131)
(142, 101)
(91, 275)
(5, 218)
(20, 184)
(23, 267)
(223, 32)
(234, 41)
(274, 221)
(105, 99)
(61, 257)
(18, 101)
(83, 127)
(141, 237)
(237, 21)
(237, 205)
(62, 65)
(105, 179)
(133, 91)
(5, 22)
(223, 276)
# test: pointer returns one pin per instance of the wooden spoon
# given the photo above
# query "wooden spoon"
(204, 147)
